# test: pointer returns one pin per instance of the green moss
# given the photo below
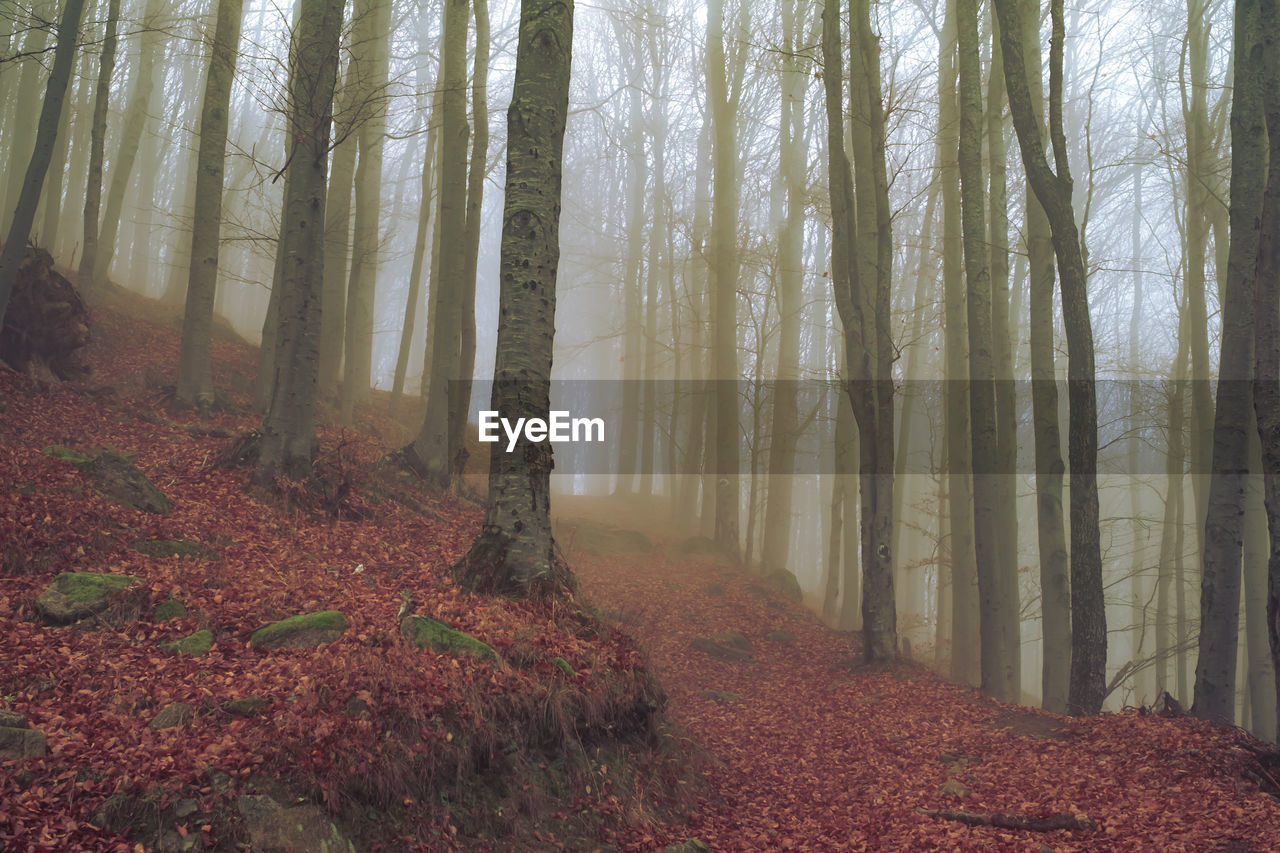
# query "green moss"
(66, 454)
(563, 666)
(246, 706)
(303, 630)
(83, 587)
(196, 644)
(169, 609)
(424, 632)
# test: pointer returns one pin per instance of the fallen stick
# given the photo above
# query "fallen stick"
(1012, 821)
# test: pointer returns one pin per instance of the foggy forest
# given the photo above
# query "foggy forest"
(639, 425)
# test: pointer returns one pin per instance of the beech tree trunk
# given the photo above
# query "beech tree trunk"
(98, 135)
(1053, 190)
(514, 552)
(195, 368)
(288, 430)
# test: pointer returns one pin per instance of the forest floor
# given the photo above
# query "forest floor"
(793, 746)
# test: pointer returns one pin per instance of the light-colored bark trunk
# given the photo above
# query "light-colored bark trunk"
(98, 134)
(195, 367)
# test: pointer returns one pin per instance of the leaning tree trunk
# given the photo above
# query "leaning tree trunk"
(15, 244)
(515, 552)
(195, 369)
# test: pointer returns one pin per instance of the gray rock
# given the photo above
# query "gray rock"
(171, 716)
(273, 828)
(12, 720)
(720, 651)
(22, 743)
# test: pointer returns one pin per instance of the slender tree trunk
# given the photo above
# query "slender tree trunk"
(475, 199)
(20, 132)
(430, 453)
(1053, 190)
(337, 234)
(373, 24)
(131, 128)
(98, 135)
(195, 368)
(965, 659)
(724, 284)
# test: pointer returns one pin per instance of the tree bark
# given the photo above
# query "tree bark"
(195, 368)
(98, 135)
(514, 552)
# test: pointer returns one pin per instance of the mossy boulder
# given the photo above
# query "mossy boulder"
(171, 716)
(116, 478)
(192, 645)
(785, 582)
(246, 706)
(271, 826)
(170, 608)
(304, 631)
(780, 635)
(175, 548)
(73, 596)
(423, 632)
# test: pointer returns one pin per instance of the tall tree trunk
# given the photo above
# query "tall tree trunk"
(965, 659)
(1249, 101)
(1215, 686)
(863, 306)
(998, 624)
(515, 551)
(131, 127)
(98, 135)
(373, 25)
(288, 429)
(724, 283)
(195, 369)
(20, 132)
(15, 244)
(475, 204)
(426, 225)
(430, 453)
(1053, 190)
(337, 233)
(783, 430)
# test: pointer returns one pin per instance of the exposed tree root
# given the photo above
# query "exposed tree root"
(1011, 821)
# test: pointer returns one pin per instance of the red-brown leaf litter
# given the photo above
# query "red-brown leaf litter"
(797, 747)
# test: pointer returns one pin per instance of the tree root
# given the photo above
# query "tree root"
(1010, 821)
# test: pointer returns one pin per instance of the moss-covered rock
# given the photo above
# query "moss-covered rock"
(75, 595)
(175, 548)
(170, 608)
(423, 632)
(115, 477)
(193, 645)
(272, 826)
(720, 651)
(785, 582)
(245, 706)
(780, 635)
(171, 716)
(304, 631)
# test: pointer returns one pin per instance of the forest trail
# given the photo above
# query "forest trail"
(808, 750)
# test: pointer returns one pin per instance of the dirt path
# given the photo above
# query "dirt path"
(811, 751)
